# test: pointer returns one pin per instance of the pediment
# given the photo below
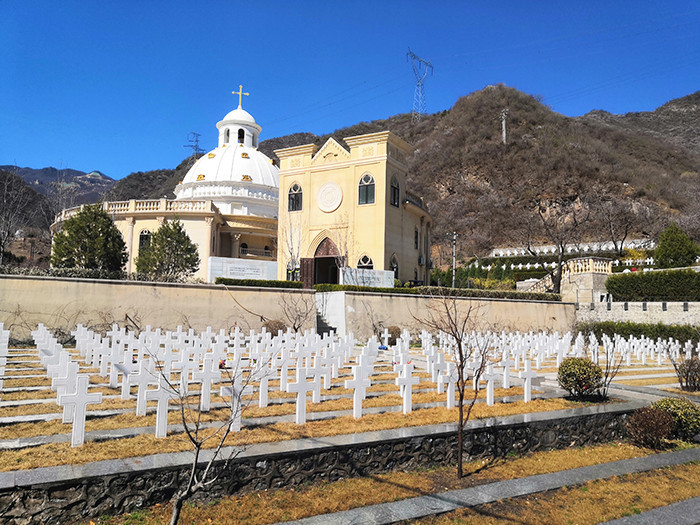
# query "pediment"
(331, 152)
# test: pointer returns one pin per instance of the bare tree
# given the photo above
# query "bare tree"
(558, 220)
(201, 432)
(16, 205)
(460, 320)
(298, 309)
(292, 246)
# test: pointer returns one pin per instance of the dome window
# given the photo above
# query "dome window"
(365, 263)
(201, 177)
(244, 155)
(211, 155)
(366, 190)
(144, 240)
(241, 135)
(227, 136)
(295, 196)
(247, 178)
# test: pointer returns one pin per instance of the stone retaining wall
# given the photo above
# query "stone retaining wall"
(639, 312)
(66, 494)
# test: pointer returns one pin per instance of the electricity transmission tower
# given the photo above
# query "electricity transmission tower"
(420, 70)
(193, 143)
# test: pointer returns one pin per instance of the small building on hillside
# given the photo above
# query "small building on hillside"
(351, 207)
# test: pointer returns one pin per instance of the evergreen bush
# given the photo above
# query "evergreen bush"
(580, 377)
(685, 414)
(677, 285)
(261, 283)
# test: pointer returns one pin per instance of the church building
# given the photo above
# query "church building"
(350, 207)
(345, 214)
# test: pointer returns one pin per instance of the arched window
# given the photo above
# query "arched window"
(241, 135)
(295, 195)
(365, 263)
(244, 248)
(394, 195)
(227, 136)
(394, 266)
(144, 240)
(366, 190)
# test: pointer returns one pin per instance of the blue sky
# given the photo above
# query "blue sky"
(116, 86)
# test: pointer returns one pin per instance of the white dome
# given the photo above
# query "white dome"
(238, 178)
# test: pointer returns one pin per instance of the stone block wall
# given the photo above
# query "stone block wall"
(637, 312)
(67, 494)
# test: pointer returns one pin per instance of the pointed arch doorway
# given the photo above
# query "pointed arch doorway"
(323, 267)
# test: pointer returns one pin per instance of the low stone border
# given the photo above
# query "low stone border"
(68, 493)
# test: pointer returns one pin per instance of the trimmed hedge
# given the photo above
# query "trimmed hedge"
(78, 273)
(442, 291)
(681, 332)
(677, 285)
(258, 282)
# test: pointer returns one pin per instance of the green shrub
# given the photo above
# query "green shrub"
(440, 291)
(685, 413)
(579, 376)
(259, 283)
(649, 427)
(678, 285)
(682, 333)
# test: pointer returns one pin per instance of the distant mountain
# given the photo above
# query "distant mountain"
(71, 187)
(153, 184)
(677, 122)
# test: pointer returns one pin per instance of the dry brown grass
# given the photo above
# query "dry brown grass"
(679, 391)
(263, 507)
(61, 453)
(649, 382)
(590, 503)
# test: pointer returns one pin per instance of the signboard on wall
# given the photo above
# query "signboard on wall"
(234, 268)
(372, 278)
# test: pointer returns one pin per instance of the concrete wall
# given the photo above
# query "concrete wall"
(63, 303)
(411, 311)
(675, 313)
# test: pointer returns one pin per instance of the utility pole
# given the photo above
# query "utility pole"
(454, 257)
(504, 116)
(420, 70)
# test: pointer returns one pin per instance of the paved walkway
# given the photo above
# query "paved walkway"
(419, 507)
(682, 513)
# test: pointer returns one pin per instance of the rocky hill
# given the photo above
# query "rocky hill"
(677, 122)
(74, 187)
(643, 166)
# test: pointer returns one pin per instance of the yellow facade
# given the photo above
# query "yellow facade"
(385, 224)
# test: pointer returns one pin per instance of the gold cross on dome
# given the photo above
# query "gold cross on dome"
(240, 94)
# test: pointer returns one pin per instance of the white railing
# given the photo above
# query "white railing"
(574, 267)
(135, 207)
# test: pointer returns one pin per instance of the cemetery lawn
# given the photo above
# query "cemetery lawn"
(591, 503)
(650, 381)
(270, 506)
(683, 392)
(54, 454)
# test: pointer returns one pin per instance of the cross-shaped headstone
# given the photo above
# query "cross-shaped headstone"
(359, 383)
(527, 376)
(300, 388)
(79, 400)
(163, 394)
(406, 380)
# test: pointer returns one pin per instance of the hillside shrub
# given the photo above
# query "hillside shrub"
(581, 377)
(682, 333)
(259, 283)
(685, 413)
(675, 249)
(678, 285)
(649, 427)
